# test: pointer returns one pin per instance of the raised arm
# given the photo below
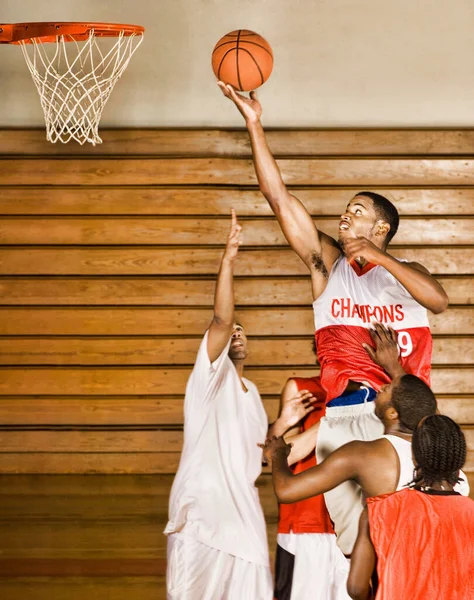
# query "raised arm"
(222, 323)
(294, 406)
(317, 250)
(415, 278)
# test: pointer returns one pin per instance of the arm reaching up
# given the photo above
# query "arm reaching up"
(222, 323)
(317, 250)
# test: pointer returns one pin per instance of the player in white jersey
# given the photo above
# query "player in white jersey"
(355, 282)
(217, 543)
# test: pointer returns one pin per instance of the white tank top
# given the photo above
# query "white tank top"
(403, 449)
(407, 466)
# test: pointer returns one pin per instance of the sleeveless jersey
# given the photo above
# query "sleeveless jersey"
(403, 449)
(310, 515)
(423, 544)
(355, 298)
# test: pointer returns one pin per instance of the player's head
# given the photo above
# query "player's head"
(238, 344)
(369, 215)
(439, 450)
(404, 402)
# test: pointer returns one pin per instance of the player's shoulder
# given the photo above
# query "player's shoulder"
(362, 450)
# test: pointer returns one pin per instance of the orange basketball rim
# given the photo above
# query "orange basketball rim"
(74, 80)
(16, 33)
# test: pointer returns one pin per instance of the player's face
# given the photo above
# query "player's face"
(383, 400)
(359, 220)
(238, 345)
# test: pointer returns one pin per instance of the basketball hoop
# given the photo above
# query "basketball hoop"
(74, 81)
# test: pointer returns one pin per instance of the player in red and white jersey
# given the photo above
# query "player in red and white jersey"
(355, 283)
(352, 300)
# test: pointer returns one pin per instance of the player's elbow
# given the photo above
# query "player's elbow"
(440, 303)
(283, 493)
(357, 590)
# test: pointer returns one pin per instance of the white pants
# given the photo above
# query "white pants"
(343, 424)
(321, 569)
(198, 572)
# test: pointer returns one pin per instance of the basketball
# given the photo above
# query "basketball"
(242, 58)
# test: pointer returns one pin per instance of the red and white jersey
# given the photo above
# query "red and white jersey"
(353, 300)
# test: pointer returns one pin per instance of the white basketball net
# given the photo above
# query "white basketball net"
(75, 79)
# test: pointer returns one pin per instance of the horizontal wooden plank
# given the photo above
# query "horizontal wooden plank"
(447, 260)
(167, 291)
(286, 321)
(91, 507)
(115, 381)
(183, 350)
(232, 142)
(80, 567)
(108, 486)
(178, 231)
(92, 442)
(108, 410)
(113, 464)
(142, 540)
(216, 201)
(78, 588)
(235, 171)
(152, 410)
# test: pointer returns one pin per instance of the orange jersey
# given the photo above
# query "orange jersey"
(310, 515)
(424, 545)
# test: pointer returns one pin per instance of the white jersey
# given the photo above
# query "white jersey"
(403, 449)
(352, 301)
(213, 498)
(407, 466)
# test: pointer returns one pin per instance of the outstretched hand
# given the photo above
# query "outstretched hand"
(297, 407)
(250, 108)
(234, 239)
(386, 349)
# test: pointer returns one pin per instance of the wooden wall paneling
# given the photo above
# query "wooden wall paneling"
(156, 291)
(258, 321)
(138, 350)
(125, 463)
(150, 410)
(219, 142)
(90, 260)
(123, 381)
(135, 231)
(216, 201)
(108, 259)
(97, 441)
(234, 171)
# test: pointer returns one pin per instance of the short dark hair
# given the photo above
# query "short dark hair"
(439, 448)
(413, 400)
(385, 210)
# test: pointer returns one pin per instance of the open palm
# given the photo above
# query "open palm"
(250, 108)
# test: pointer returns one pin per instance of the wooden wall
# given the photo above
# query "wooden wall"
(108, 258)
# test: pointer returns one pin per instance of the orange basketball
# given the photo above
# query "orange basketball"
(243, 59)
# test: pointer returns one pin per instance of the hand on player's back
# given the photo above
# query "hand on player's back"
(385, 352)
(250, 108)
(234, 239)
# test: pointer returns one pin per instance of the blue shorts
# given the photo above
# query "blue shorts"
(363, 394)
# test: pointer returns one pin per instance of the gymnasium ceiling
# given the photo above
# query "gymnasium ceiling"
(338, 63)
